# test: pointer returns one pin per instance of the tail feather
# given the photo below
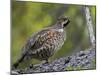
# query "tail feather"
(18, 62)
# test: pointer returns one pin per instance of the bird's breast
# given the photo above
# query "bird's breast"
(51, 41)
(56, 39)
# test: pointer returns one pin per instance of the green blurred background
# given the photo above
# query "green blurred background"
(30, 17)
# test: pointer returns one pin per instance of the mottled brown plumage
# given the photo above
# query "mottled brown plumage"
(45, 43)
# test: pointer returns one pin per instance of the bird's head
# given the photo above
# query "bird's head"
(63, 22)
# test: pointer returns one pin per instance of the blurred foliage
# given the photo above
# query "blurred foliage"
(29, 17)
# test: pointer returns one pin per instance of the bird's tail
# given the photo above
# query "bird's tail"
(15, 65)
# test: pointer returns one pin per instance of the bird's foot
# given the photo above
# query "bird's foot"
(31, 66)
(45, 63)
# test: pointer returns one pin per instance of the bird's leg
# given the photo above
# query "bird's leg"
(46, 61)
(31, 66)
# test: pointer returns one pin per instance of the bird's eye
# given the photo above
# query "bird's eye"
(63, 19)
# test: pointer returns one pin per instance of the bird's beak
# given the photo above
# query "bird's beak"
(66, 23)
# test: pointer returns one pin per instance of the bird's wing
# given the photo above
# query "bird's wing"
(36, 41)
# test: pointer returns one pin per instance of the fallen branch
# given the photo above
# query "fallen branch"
(80, 61)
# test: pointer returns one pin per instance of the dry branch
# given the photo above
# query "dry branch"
(89, 25)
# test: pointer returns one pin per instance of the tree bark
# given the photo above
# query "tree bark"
(85, 59)
(89, 25)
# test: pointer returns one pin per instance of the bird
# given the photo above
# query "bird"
(44, 43)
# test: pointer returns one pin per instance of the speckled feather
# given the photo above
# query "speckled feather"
(44, 43)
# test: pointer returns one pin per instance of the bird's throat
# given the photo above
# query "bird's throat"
(60, 30)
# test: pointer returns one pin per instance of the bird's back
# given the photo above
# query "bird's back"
(44, 44)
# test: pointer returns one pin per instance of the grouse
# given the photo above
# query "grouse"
(45, 43)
